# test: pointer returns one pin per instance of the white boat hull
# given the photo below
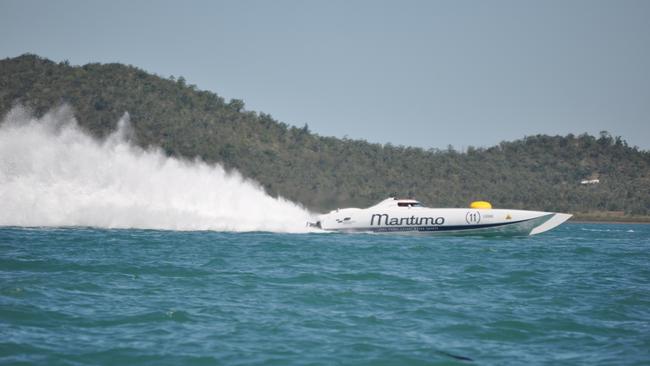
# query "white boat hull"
(387, 217)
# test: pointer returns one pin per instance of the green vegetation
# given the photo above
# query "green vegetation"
(537, 172)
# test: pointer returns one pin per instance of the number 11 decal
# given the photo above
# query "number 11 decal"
(473, 217)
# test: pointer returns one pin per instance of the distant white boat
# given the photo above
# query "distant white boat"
(394, 215)
(590, 181)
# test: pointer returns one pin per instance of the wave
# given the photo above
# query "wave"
(52, 173)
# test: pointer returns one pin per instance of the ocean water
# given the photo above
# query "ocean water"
(578, 295)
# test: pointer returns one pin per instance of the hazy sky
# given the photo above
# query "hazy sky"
(423, 73)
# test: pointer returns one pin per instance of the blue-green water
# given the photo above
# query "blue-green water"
(577, 295)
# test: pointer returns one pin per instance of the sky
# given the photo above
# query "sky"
(414, 73)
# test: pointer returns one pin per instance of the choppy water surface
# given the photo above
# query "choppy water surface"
(577, 295)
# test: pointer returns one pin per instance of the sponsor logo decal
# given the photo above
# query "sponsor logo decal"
(384, 219)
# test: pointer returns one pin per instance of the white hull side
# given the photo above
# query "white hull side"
(447, 221)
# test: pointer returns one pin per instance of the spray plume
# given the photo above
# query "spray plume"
(54, 174)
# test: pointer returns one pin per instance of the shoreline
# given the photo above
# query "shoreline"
(587, 219)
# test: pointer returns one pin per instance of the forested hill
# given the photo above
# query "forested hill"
(536, 172)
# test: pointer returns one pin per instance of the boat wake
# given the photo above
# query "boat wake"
(54, 174)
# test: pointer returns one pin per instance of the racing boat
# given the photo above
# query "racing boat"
(410, 216)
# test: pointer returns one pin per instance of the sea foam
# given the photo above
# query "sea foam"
(52, 173)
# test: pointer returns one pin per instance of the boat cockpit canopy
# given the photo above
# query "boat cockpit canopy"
(409, 203)
(398, 202)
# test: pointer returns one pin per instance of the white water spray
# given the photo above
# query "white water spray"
(53, 174)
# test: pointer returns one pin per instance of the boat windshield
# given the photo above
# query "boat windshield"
(409, 204)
